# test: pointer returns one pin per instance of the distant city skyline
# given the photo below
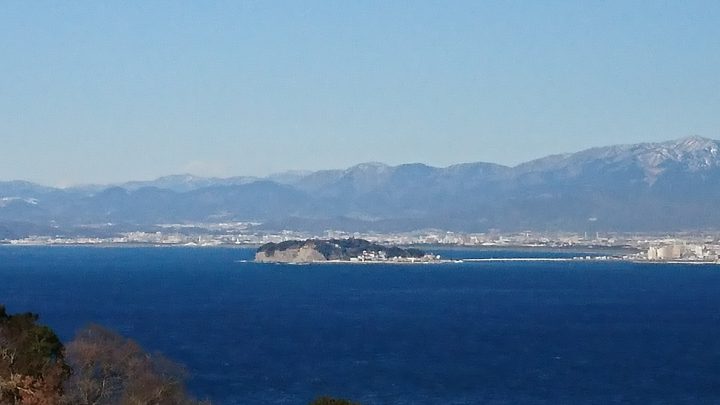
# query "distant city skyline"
(105, 92)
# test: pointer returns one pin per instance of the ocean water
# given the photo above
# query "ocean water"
(473, 333)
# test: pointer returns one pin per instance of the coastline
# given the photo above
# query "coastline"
(487, 260)
(441, 261)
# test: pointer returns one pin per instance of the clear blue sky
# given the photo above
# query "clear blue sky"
(102, 91)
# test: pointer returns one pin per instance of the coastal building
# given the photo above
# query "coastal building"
(677, 251)
(666, 252)
(652, 253)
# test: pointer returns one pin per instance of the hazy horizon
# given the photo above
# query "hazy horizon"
(110, 92)
(290, 171)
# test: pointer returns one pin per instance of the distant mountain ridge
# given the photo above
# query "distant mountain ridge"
(661, 186)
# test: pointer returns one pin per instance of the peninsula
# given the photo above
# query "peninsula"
(337, 250)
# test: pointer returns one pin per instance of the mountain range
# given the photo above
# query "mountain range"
(647, 187)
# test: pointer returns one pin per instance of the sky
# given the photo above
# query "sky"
(102, 92)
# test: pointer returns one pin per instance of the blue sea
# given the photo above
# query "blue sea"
(470, 333)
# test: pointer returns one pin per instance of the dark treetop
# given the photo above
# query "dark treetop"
(339, 249)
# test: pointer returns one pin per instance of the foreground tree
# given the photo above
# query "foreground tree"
(32, 366)
(99, 367)
(109, 369)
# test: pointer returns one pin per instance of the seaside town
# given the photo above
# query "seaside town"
(685, 247)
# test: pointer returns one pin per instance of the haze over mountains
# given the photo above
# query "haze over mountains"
(664, 186)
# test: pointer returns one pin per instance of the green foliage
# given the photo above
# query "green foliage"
(32, 367)
(107, 369)
(270, 248)
(33, 346)
(340, 249)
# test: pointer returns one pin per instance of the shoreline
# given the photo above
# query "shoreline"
(525, 248)
(488, 260)
(441, 261)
